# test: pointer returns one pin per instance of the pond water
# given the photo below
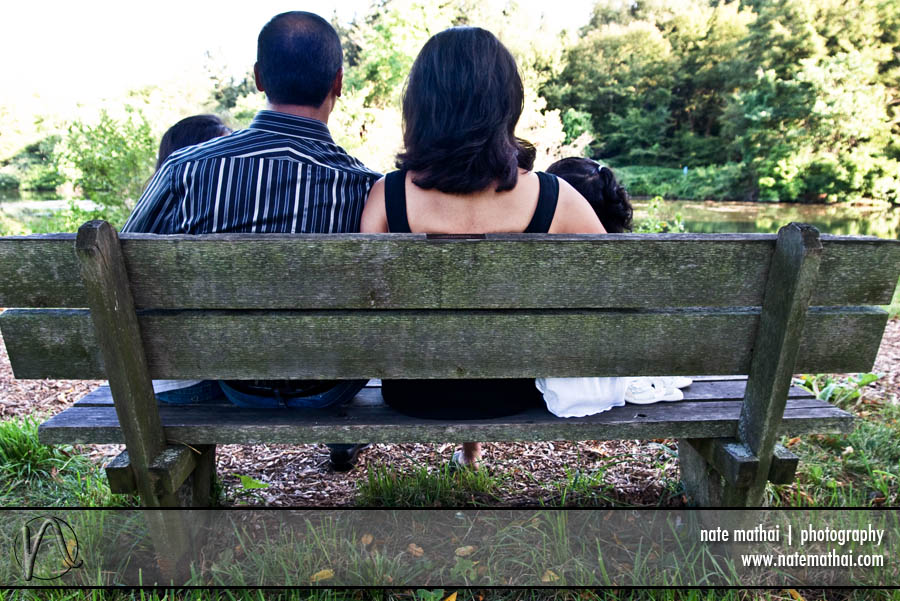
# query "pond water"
(699, 216)
(755, 217)
(13, 195)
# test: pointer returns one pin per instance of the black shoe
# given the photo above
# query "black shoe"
(343, 456)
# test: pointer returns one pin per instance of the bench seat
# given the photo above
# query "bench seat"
(710, 410)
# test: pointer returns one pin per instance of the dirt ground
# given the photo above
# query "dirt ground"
(299, 475)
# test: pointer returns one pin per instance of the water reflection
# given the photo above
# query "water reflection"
(14, 195)
(707, 217)
(750, 217)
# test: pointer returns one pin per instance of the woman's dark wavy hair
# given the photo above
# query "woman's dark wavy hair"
(462, 101)
(599, 186)
(190, 131)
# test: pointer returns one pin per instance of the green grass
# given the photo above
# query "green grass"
(859, 469)
(440, 594)
(423, 487)
(38, 475)
(894, 307)
(384, 487)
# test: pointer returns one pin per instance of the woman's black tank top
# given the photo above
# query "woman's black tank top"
(455, 398)
(398, 223)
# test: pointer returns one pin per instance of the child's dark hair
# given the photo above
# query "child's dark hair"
(190, 131)
(599, 186)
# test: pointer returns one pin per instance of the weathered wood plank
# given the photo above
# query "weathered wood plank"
(784, 466)
(119, 474)
(119, 338)
(172, 467)
(406, 272)
(40, 271)
(455, 344)
(792, 279)
(233, 425)
(705, 390)
(53, 348)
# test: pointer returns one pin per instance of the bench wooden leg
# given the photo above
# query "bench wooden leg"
(704, 485)
(181, 477)
(723, 472)
(203, 478)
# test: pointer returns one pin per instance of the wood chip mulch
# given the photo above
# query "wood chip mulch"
(635, 472)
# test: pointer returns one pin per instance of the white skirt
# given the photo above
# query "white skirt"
(578, 397)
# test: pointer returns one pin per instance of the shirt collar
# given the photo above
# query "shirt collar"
(291, 125)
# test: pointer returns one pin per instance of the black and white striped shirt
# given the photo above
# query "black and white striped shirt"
(283, 174)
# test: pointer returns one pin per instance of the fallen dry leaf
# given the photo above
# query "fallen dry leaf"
(366, 540)
(795, 595)
(549, 576)
(71, 549)
(451, 597)
(322, 575)
(415, 550)
(465, 551)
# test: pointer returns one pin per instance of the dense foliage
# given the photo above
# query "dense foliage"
(114, 158)
(773, 100)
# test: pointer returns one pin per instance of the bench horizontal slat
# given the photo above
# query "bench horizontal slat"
(436, 344)
(357, 271)
(232, 425)
(700, 390)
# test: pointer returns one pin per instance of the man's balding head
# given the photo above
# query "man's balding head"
(298, 57)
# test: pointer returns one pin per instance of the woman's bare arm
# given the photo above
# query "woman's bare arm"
(374, 216)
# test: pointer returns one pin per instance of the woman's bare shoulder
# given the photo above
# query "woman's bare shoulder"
(574, 214)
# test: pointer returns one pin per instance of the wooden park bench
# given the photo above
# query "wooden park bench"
(134, 307)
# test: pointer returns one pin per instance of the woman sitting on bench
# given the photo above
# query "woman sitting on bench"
(464, 171)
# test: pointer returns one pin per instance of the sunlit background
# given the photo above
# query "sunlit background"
(81, 52)
(757, 102)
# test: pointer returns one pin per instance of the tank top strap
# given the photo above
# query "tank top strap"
(395, 202)
(546, 205)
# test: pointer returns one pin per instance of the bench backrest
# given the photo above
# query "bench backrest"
(417, 306)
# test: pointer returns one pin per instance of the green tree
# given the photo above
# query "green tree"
(618, 74)
(114, 158)
(817, 136)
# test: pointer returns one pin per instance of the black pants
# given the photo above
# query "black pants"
(461, 399)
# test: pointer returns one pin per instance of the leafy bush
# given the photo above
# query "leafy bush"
(576, 123)
(8, 181)
(36, 166)
(657, 223)
(43, 177)
(715, 182)
(73, 217)
(843, 392)
(10, 227)
(41, 221)
(114, 158)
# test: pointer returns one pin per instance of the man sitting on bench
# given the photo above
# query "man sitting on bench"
(283, 174)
